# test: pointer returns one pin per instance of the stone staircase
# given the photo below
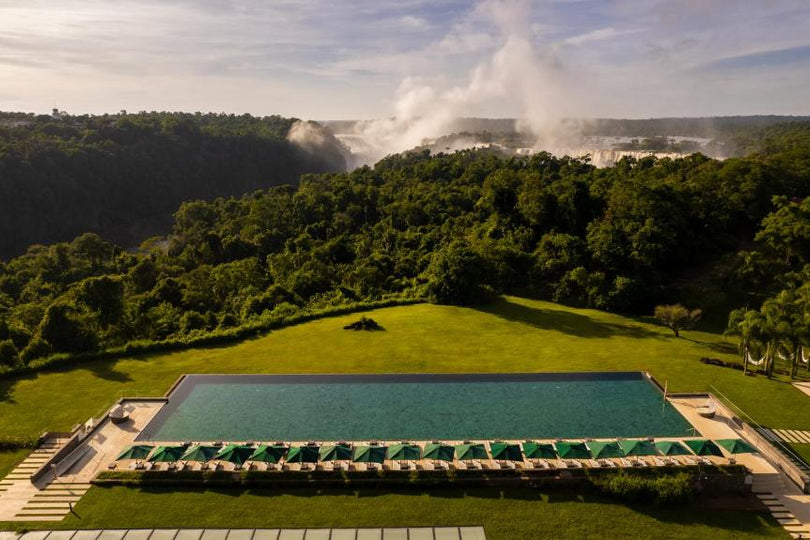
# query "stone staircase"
(779, 437)
(774, 491)
(20, 500)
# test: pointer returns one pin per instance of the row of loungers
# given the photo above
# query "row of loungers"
(433, 465)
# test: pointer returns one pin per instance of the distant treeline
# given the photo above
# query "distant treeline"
(122, 176)
(449, 228)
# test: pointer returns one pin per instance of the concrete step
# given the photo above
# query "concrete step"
(46, 506)
(791, 521)
(38, 518)
(55, 497)
(42, 512)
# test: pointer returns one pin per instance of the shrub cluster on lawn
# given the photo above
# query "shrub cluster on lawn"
(660, 489)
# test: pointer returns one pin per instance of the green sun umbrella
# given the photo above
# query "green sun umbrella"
(335, 452)
(468, 451)
(200, 453)
(736, 446)
(703, 447)
(438, 451)
(368, 454)
(303, 454)
(634, 447)
(505, 451)
(572, 450)
(138, 451)
(535, 450)
(235, 453)
(269, 453)
(404, 452)
(605, 449)
(672, 448)
(167, 453)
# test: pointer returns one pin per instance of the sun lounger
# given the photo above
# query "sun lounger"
(625, 462)
(705, 461)
(461, 466)
(573, 464)
(659, 462)
(172, 466)
(594, 464)
(395, 466)
(112, 465)
(561, 464)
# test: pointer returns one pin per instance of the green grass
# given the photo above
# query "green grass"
(518, 513)
(513, 334)
(10, 458)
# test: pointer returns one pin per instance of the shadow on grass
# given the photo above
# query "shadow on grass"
(573, 324)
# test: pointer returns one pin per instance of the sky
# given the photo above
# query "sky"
(363, 59)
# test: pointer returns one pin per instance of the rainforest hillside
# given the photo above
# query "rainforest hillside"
(449, 228)
(123, 176)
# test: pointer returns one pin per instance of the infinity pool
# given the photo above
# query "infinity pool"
(415, 407)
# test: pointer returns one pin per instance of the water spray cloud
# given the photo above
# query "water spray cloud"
(517, 72)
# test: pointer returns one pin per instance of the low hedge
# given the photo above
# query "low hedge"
(19, 444)
(664, 489)
(664, 485)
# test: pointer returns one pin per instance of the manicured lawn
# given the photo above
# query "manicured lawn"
(9, 460)
(514, 334)
(520, 513)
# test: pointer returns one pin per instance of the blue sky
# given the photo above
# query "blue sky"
(328, 60)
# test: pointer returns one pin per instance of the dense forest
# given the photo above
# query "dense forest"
(123, 176)
(449, 228)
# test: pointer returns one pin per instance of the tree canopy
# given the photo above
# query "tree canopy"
(450, 228)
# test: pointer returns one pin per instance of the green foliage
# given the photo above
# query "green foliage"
(454, 275)
(677, 317)
(124, 174)
(663, 489)
(9, 356)
(446, 227)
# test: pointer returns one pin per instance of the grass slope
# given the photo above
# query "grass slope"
(513, 334)
(520, 513)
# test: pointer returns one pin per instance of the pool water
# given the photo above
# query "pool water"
(415, 407)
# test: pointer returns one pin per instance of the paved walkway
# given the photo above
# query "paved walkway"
(788, 505)
(413, 533)
(787, 435)
(803, 386)
(20, 500)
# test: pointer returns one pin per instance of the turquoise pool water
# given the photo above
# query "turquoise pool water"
(415, 407)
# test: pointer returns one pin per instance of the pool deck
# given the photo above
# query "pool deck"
(786, 502)
(24, 501)
(50, 500)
